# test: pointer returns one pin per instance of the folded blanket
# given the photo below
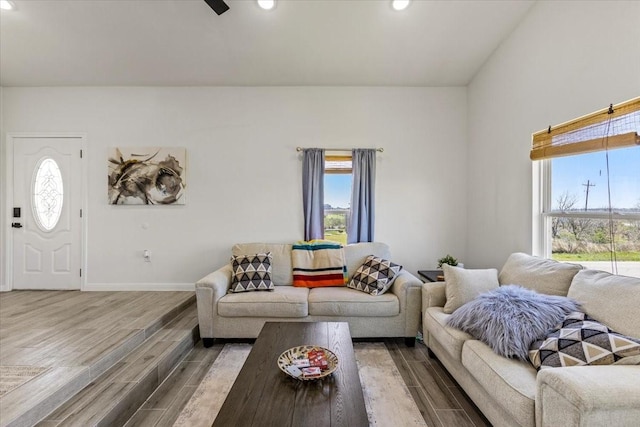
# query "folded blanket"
(318, 263)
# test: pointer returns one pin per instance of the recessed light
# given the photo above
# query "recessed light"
(7, 5)
(267, 4)
(400, 4)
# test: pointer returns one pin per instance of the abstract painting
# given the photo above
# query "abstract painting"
(146, 175)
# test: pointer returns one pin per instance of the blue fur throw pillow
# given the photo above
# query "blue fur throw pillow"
(508, 319)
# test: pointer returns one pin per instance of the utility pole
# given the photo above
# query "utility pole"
(586, 200)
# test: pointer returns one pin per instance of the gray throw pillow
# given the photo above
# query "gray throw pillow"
(375, 276)
(251, 273)
(462, 286)
(582, 340)
(510, 318)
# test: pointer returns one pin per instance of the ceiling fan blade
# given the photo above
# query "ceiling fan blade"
(218, 6)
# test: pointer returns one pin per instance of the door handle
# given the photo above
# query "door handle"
(16, 225)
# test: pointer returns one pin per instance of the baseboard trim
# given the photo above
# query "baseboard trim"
(139, 287)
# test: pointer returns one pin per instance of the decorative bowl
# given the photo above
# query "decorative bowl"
(286, 359)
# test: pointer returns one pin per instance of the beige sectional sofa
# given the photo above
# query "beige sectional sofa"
(511, 392)
(395, 313)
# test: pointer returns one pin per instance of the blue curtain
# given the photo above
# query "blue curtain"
(360, 228)
(313, 193)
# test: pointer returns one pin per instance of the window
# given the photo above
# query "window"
(47, 194)
(337, 197)
(588, 190)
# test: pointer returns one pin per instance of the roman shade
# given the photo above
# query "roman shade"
(613, 127)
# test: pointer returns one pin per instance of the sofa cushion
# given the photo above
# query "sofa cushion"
(281, 273)
(356, 253)
(463, 285)
(251, 273)
(349, 302)
(542, 275)
(511, 382)
(582, 341)
(610, 299)
(283, 301)
(451, 339)
(375, 276)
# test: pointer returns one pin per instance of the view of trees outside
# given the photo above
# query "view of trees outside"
(335, 224)
(585, 195)
(337, 196)
(592, 238)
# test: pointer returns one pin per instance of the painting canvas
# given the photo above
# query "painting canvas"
(146, 175)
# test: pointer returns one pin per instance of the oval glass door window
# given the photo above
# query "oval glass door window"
(47, 194)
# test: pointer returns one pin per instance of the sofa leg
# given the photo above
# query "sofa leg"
(431, 353)
(410, 341)
(207, 342)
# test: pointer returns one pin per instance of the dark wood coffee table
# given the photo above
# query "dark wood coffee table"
(263, 395)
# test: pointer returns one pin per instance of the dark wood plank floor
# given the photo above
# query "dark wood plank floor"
(440, 400)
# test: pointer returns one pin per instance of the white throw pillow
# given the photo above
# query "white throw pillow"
(463, 285)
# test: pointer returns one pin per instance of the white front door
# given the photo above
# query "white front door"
(46, 213)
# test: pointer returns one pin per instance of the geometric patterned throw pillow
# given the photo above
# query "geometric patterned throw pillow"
(251, 273)
(581, 340)
(375, 276)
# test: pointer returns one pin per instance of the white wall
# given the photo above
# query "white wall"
(565, 60)
(243, 177)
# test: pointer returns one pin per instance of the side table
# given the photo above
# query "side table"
(431, 275)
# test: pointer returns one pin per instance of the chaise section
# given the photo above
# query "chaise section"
(452, 339)
(512, 382)
(589, 396)
(350, 302)
(511, 392)
(283, 301)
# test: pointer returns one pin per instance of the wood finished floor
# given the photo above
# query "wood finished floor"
(69, 331)
(438, 397)
(70, 328)
(77, 336)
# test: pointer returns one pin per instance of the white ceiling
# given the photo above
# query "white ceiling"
(299, 43)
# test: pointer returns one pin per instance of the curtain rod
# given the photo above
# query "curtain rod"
(340, 149)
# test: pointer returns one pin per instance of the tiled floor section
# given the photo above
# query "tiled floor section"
(166, 403)
(79, 336)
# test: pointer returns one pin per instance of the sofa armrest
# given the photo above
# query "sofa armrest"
(209, 290)
(407, 288)
(433, 295)
(588, 396)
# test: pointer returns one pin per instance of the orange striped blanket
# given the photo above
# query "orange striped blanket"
(318, 264)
